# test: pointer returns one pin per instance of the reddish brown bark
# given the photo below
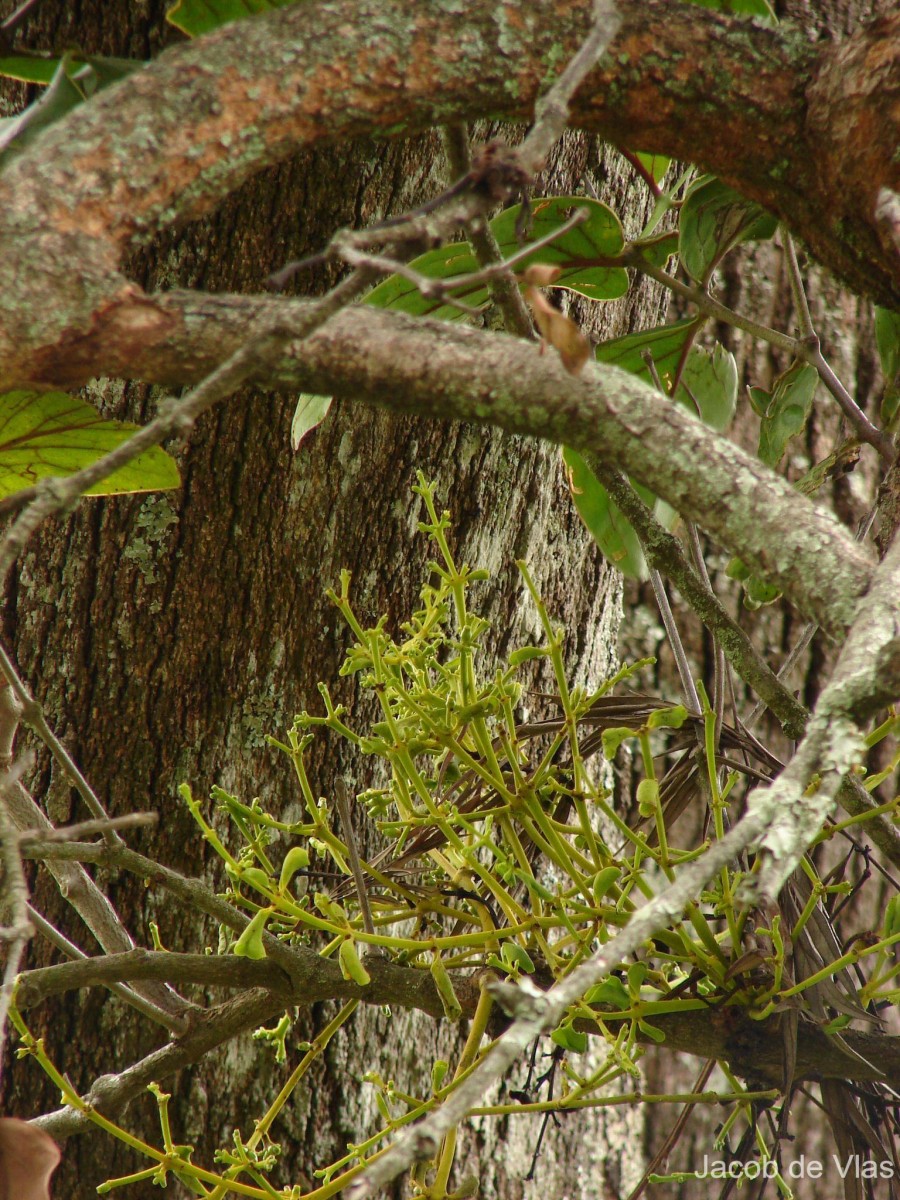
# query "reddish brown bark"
(811, 132)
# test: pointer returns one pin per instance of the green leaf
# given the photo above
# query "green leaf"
(667, 200)
(250, 943)
(739, 8)
(570, 1039)
(351, 964)
(51, 433)
(61, 96)
(446, 262)
(708, 380)
(657, 250)
(296, 859)
(604, 881)
(665, 344)
(709, 385)
(599, 236)
(654, 1034)
(444, 984)
(194, 17)
(611, 992)
(758, 593)
(28, 70)
(668, 718)
(841, 461)
(70, 81)
(311, 411)
(636, 975)
(527, 654)
(887, 337)
(714, 218)
(613, 738)
(786, 411)
(607, 525)
(655, 165)
(517, 956)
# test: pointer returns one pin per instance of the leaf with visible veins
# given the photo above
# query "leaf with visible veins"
(45, 434)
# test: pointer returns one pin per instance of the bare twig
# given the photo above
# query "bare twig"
(79, 890)
(362, 895)
(440, 289)
(176, 1025)
(35, 838)
(552, 110)
(33, 715)
(19, 16)
(866, 677)
(214, 1027)
(504, 290)
(684, 668)
(804, 317)
(18, 931)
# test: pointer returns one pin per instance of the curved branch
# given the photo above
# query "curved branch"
(445, 371)
(167, 144)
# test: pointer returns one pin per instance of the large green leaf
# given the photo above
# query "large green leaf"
(61, 96)
(446, 262)
(759, 9)
(655, 165)
(708, 379)
(658, 248)
(665, 343)
(785, 410)
(609, 528)
(27, 69)
(740, 8)
(194, 17)
(32, 69)
(51, 433)
(311, 411)
(714, 218)
(600, 236)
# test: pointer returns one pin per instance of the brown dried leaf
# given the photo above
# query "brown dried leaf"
(751, 961)
(541, 274)
(559, 331)
(28, 1157)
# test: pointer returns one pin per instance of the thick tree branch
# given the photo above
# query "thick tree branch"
(168, 143)
(440, 370)
(752, 1048)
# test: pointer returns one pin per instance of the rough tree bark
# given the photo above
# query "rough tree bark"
(168, 635)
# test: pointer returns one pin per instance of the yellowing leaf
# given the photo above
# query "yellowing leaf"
(43, 434)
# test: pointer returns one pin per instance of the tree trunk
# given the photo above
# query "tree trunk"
(167, 635)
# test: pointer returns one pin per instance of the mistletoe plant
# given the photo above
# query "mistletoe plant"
(503, 857)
